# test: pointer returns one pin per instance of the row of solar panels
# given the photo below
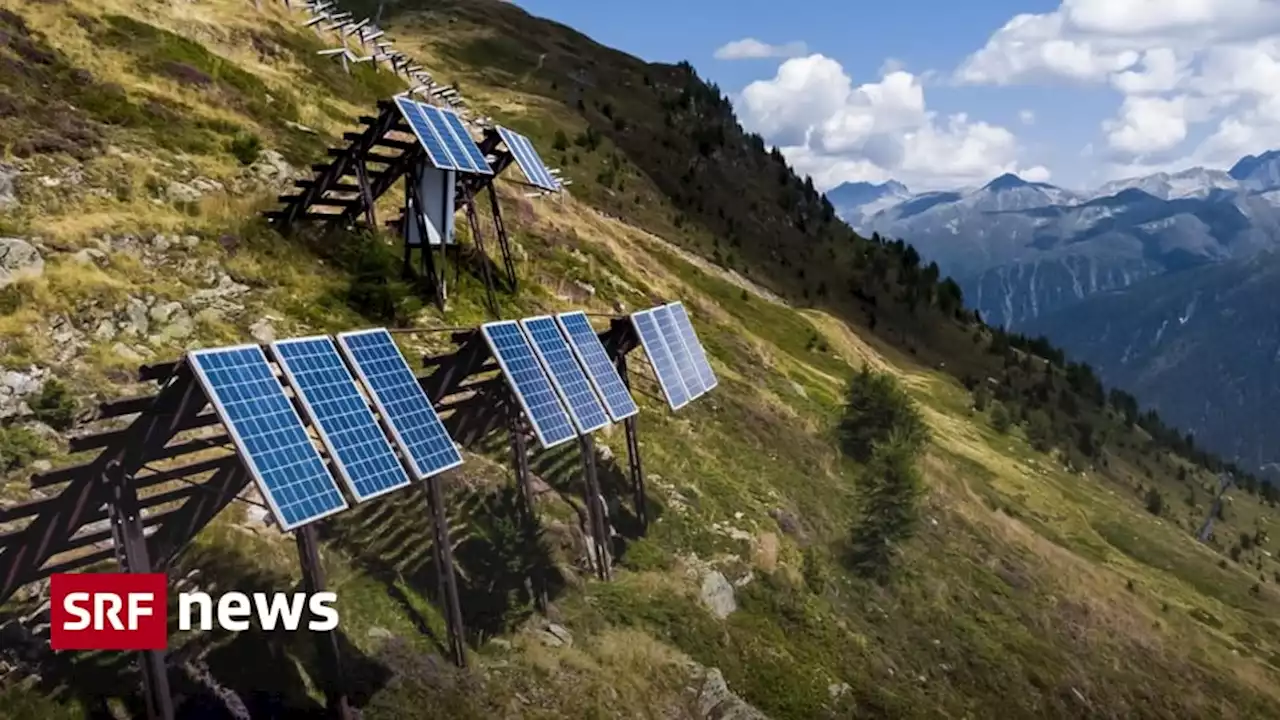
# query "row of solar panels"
(449, 146)
(557, 368)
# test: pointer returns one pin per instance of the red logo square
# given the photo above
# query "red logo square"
(108, 611)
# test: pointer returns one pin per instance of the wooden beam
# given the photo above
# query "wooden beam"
(103, 439)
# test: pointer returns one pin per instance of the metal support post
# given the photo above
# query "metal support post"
(313, 581)
(520, 458)
(131, 552)
(595, 512)
(633, 453)
(478, 238)
(448, 581)
(504, 243)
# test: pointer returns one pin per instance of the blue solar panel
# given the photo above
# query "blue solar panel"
(529, 382)
(468, 143)
(431, 142)
(600, 369)
(415, 426)
(664, 364)
(675, 343)
(539, 167)
(566, 374)
(528, 160)
(445, 133)
(268, 434)
(694, 345)
(338, 411)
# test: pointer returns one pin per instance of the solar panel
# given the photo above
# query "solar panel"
(660, 357)
(451, 142)
(600, 369)
(684, 359)
(528, 160)
(529, 383)
(431, 142)
(468, 143)
(350, 432)
(268, 434)
(415, 426)
(566, 374)
(694, 345)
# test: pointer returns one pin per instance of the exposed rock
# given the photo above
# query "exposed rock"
(788, 523)
(91, 256)
(587, 288)
(604, 452)
(799, 389)
(223, 289)
(379, 633)
(271, 168)
(137, 317)
(766, 552)
(161, 243)
(717, 594)
(8, 198)
(561, 633)
(182, 192)
(16, 387)
(263, 331)
(18, 259)
(717, 702)
(127, 354)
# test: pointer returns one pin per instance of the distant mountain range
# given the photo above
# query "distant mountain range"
(1166, 283)
(1021, 249)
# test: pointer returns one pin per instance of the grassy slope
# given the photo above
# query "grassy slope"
(1032, 591)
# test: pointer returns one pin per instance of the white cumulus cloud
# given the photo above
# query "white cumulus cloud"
(1202, 69)
(751, 48)
(837, 131)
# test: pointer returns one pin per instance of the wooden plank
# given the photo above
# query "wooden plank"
(333, 187)
(65, 474)
(368, 157)
(103, 439)
(75, 563)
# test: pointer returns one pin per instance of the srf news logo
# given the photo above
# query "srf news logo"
(130, 611)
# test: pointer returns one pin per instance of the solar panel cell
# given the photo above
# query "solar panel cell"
(527, 158)
(660, 357)
(694, 345)
(468, 143)
(529, 382)
(415, 426)
(431, 142)
(675, 342)
(451, 142)
(338, 411)
(566, 374)
(600, 368)
(269, 435)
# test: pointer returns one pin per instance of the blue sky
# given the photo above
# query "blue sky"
(1075, 91)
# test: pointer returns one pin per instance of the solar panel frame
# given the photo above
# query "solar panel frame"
(468, 142)
(599, 367)
(393, 419)
(535, 420)
(319, 420)
(573, 398)
(249, 458)
(451, 141)
(434, 146)
(684, 359)
(694, 345)
(660, 359)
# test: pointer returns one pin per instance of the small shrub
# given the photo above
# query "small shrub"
(1154, 502)
(245, 147)
(1001, 421)
(18, 447)
(877, 407)
(889, 499)
(561, 141)
(54, 406)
